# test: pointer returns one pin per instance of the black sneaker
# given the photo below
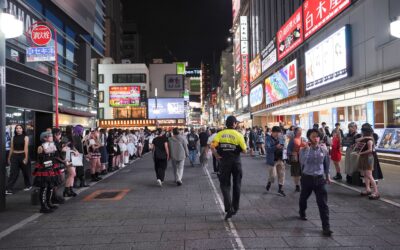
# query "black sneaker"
(179, 183)
(297, 188)
(338, 177)
(327, 232)
(303, 217)
(268, 186)
(281, 193)
(229, 214)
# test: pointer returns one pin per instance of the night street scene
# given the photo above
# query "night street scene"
(208, 124)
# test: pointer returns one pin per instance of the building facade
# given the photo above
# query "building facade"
(326, 61)
(30, 89)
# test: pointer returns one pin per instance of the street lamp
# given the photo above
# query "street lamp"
(10, 27)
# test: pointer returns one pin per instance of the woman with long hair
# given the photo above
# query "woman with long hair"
(293, 149)
(366, 161)
(94, 154)
(336, 152)
(18, 159)
(77, 136)
(71, 170)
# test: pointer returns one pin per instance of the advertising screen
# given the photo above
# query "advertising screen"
(255, 68)
(166, 108)
(282, 84)
(268, 56)
(389, 140)
(121, 96)
(256, 95)
(329, 60)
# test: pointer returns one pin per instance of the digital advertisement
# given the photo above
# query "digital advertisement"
(256, 95)
(255, 68)
(121, 96)
(390, 140)
(166, 108)
(282, 84)
(328, 61)
(268, 56)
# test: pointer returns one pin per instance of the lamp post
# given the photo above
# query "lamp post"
(10, 27)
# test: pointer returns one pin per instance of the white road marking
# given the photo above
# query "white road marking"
(24, 222)
(229, 226)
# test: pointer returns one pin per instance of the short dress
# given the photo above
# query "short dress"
(366, 161)
(336, 155)
(47, 171)
(94, 153)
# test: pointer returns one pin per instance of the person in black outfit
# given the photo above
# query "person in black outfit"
(203, 138)
(18, 159)
(160, 156)
(77, 136)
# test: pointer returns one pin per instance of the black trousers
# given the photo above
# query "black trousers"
(228, 168)
(318, 185)
(16, 165)
(160, 166)
(215, 164)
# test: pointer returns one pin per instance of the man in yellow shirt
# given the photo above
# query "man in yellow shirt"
(226, 147)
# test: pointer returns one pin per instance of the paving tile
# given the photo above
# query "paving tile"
(119, 229)
(163, 228)
(358, 241)
(136, 237)
(246, 233)
(264, 242)
(210, 244)
(185, 235)
(310, 241)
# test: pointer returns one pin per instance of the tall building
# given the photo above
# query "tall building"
(30, 89)
(131, 43)
(193, 81)
(113, 30)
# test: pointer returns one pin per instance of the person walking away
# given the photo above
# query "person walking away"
(178, 153)
(315, 161)
(203, 138)
(160, 156)
(226, 147)
(295, 144)
(210, 140)
(366, 161)
(336, 153)
(18, 159)
(193, 141)
(275, 164)
(252, 140)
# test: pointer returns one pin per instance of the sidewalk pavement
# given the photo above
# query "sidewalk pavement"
(190, 216)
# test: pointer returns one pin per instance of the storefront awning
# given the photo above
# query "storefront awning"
(75, 112)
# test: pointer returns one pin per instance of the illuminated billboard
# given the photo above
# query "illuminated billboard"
(166, 108)
(282, 84)
(122, 96)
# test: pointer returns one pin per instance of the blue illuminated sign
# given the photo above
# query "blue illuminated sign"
(40, 54)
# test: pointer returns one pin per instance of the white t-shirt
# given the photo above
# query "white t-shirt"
(211, 138)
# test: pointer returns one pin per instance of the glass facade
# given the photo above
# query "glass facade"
(393, 113)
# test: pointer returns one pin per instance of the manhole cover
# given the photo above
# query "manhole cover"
(107, 195)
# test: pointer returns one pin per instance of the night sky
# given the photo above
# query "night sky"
(181, 30)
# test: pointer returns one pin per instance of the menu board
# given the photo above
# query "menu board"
(121, 96)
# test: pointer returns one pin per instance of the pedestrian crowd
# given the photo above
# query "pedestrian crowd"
(62, 157)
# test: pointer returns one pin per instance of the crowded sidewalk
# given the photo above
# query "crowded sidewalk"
(191, 216)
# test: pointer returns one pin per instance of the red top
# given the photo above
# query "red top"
(336, 155)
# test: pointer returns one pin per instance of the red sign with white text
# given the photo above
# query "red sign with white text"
(245, 75)
(317, 13)
(41, 35)
(290, 35)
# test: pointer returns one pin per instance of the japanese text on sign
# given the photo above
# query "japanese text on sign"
(290, 35)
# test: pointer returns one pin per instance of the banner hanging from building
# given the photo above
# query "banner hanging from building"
(244, 51)
(317, 13)
(290, 35)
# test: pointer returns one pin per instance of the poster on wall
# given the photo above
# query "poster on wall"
(255, 68)
(268, 56)
(390, 140)
(317, 13)
(329, 60)
(122, 96)
(290, 35)
(256, 95)
(282, 84)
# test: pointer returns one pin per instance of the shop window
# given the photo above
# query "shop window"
(101, 96)
(393, 113)
(101, 78)
(360, 114)
(130, 113)
(341, 114)
(350, 117)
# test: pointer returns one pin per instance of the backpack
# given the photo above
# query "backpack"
(192, 141)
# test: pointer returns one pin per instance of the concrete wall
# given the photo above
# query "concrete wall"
(108, 70)
(157, 80)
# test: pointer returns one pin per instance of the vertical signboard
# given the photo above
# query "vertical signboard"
(235, 9)
(317, 13)
(244, 50)
(268, 56)
(236, 51)
(180, 68)
(290, 35)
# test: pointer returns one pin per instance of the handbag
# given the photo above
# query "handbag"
(77, 161)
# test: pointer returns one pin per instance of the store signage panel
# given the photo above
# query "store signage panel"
(317, 13)
(282, 84)
(329, 60)
(245, 84)
(236, 44)
(166, 108)
(122, 96)
(235, 9)
(174, 82)
(40, 54)
(255, 68)
(256, 95)
(290, 35)
(268, 56)
(181, 68)
(389, 140)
